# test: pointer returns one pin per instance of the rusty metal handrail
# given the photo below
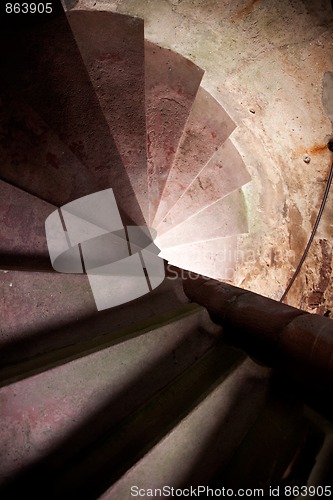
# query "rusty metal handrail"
(297, 343)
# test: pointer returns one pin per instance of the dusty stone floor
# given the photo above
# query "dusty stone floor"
(264, 61)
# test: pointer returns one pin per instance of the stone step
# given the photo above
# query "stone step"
(22, 230)
(276, 450)
(171, 86)
(50, 420)
(32, 155)
(223, 218)
(216, 258)
(207, 127)
(203, 441)
(92, 469)
(223, 174)
(112, 49)
(42, 312)
(45, 69)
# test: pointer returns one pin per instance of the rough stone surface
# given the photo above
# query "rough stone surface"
(32, 155)
(67, 408)
(22, 234)
(201, 449)
(112, 48)
(42, 312)
(265, 62)
(213, 222)
(171, 86)
(207, 127)
(41, 59)
(223, 174)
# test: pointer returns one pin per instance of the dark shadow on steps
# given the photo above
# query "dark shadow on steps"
(67, 315)
(280, 448)
(112, 50)
(42, 65)
(109, 441)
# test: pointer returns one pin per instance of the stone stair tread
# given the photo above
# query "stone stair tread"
(225, 217)
(32, 155)
(204, 441)
(223, 174)
(171, 86)
(46, 311)
(277, 447)
(207, 127)
(45, 68)
(22, 233)
(112, 49)
(94, 468)
(213, 258)
(104, 387)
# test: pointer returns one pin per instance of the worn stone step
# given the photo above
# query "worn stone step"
(223, 174)
(33, 157)
(42, 312)
(207, 127)
(226, 217)
(22, 230)
(45, 69)
(204, 440)
(277, 449)
(171, 86)
(52, 418)
(112, 49)
(94, 468)
(215, 258)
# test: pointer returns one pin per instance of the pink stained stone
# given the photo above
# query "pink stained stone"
(207, 127)
(172, 83)
(223, 174)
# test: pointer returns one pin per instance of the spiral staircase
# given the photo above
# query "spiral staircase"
(146, 393)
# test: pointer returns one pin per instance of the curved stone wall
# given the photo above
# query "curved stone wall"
(265, 62)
